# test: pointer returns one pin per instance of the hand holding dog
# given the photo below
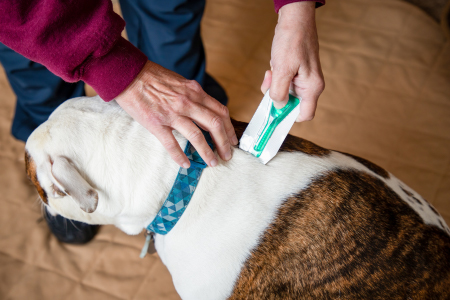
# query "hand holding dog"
(161, 101)
(295, 59)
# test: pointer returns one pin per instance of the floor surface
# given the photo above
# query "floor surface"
(387, 98)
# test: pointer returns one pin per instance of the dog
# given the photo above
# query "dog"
(312, 224)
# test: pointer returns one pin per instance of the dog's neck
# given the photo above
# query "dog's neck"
(181, 192)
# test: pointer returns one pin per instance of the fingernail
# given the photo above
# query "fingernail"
(228, 155)
(265, 74)
(278, 105)
(213, 163)
(234, 140)
(186, 165)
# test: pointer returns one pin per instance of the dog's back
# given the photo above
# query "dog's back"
(349, 235)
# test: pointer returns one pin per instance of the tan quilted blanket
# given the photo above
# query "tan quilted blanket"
(387, 71)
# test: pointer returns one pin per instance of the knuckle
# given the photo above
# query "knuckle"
(176, 122)
(231, 132)
(276, 95)
(223, 110)
(194, 135)
(167, 142)
(194, 85)
(318, 82)
(208, 153)
(283, 71)
(225, 144)
(182, 104)
(216, 122)
(177, 156)
(322, 85)
(309, 117)
(155, 123)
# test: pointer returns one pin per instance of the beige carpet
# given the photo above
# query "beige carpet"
(387, 70)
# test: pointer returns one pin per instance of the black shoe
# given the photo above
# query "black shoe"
(215, 90)
(69, 231)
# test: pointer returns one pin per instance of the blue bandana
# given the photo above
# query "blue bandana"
(180, 195)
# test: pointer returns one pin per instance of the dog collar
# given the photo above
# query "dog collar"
(180, 195)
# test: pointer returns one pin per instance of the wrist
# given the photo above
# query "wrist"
(112, 73)
(136, 84)
(296, 13)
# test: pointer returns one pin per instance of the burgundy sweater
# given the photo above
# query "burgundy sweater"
(77, 40)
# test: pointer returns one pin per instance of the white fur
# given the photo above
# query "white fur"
(132, 174)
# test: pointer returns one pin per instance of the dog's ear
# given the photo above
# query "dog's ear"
(70, 182)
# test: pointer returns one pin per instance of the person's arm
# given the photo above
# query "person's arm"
(80, 40)
(74, 39)
(295, 57)
(280, 3)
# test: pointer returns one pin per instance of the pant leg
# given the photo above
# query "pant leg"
(168, 32)
(38, 91)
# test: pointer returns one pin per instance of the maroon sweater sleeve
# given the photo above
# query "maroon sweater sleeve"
(74, 39)
(281, 3)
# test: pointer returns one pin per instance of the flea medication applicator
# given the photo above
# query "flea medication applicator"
(269, 127)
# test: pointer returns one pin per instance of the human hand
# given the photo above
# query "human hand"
(295, 59)
(161, 100)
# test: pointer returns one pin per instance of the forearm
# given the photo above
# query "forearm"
(295, 59)
(281, 3)
(75, 39)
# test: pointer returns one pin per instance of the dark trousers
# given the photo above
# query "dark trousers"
(167, 31)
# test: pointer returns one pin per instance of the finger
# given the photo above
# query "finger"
(310, 98)
(266, 82)
(307, 110)
(190, 131)
(221, 110)
(279, 88)
(216, 127)
(169, 142)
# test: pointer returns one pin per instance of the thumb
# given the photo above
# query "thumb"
(266, 82)
(279, 88)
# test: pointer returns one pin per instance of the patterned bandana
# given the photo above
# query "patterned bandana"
(182, 191)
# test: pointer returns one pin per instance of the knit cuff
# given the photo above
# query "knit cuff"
(111, 73)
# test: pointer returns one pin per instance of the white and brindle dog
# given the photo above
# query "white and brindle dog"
(312, 224)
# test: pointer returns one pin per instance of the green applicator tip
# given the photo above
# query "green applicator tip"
(269, 127)
(274, 119)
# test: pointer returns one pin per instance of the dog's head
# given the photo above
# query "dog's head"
(92, 163)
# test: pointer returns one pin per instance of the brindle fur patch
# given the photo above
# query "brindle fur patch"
(30, 167)
(347, 236)
(290, 144)
(369, 165)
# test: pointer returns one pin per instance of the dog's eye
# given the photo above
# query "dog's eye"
(57, 192)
